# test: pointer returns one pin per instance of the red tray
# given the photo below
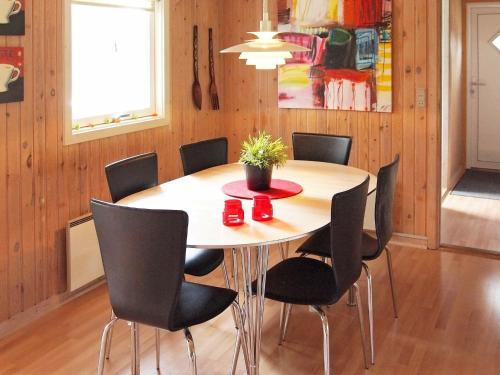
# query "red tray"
(279, 189)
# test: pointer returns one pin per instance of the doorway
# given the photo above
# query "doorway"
(470, 213)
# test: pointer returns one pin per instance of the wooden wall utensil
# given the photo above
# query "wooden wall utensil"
(214, 97)
(197, 96)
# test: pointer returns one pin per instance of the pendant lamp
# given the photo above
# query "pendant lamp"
(266, 52)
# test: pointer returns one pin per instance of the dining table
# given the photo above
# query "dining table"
(201, 196)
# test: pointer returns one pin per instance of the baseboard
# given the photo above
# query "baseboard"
(34, 313)
(401, 239)
(491, 254)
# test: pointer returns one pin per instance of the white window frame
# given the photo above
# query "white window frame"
(162, 84)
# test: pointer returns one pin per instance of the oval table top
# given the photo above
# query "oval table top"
(201, 196)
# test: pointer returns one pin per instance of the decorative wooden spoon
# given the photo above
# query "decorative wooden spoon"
(197, 98)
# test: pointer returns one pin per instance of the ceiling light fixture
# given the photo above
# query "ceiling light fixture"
(265, 52)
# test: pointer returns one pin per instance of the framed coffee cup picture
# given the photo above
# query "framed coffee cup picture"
(12, 17)
(11, 74)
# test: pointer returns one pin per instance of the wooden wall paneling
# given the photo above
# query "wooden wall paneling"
(52, 151)
(27, 174)
(420, 120)
(14, 200)
(4, 230)
(408, 92)
(433, 122)
(397, 103)
(84, 176)
(374, 145)
(39, 159)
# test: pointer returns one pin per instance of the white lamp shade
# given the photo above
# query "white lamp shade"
(265, 52)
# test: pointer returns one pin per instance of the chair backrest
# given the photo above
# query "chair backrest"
(386, 189)
(348, 212)
(202, 155)
(143, 253)
(131, 175)
(321, 147)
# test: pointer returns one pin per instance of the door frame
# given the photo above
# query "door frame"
(471, 134)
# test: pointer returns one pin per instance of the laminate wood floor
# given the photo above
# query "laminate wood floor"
(449, 324)
(471, 222)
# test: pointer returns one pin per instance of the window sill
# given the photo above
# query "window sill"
(110, 130)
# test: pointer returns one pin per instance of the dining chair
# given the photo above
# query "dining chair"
(308, 281)
(140, 172)
(326, 148)
(143, 254)
(372, 248)
(202, 155)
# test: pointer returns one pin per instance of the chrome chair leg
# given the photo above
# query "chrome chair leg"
(104, 342)
(391, 279)
(326, 338)
(286, 311)
(361, 323)
(191, 351)
(157, 342)
(110, 334)
(136, 353)
(370, 310)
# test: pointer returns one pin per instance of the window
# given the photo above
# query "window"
(116, 59)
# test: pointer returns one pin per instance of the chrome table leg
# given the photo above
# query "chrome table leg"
(254, 316)
(238, 313)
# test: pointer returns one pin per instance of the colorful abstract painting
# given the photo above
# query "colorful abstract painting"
(12, 17)
(11, 74)
(349, 63)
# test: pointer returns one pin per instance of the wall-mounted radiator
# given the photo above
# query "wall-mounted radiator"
(84, 258)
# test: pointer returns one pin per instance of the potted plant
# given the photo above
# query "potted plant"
(259, 154)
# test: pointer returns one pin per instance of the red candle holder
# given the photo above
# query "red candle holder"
(233, 214)
(262, 208)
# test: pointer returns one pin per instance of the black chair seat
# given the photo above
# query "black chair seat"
(301, 281)
(200, 262)
(199, 303)
(319, 245)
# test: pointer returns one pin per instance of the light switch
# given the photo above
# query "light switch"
(421, 97)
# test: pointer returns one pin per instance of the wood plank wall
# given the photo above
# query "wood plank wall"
(251, 105)
(43, 184)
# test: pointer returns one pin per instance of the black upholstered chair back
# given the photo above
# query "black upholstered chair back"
(131, 175)
(348, 212)
(143, 253)
(321, 147)
(202, 155)
(386, 189)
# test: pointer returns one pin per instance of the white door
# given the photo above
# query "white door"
(483, 136)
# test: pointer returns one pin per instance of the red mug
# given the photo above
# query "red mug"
(262, 208)
(233, 214)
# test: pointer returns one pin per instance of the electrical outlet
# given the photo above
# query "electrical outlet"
(421, 97)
